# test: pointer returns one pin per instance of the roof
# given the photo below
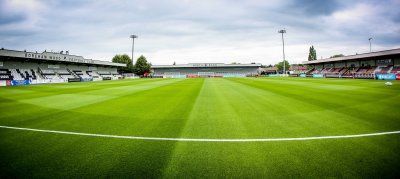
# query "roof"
(356, 57)
(297, 67)
(51, 56)
(206, 65)
(269, 69)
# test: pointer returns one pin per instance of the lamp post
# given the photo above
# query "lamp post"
(133, 44)
(370, 49)
(283, 45)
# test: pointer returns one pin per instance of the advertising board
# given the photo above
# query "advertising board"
(389, 76)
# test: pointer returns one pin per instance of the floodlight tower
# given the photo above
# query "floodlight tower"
(283, 45)
(370, 49)
(133, 43)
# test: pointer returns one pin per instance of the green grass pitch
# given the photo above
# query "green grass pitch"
(212, 108)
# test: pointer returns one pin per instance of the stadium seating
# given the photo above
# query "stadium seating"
(395, 70)
(49, 74)
(40, 73)
(205, 72)
(116, 75)
(66, 74)
(28, 73)
(82, 74)
(53, 77)
(16, 75)
(365, 72)
(383, 69)
(359, 72)
(5, 74)
(334, 72)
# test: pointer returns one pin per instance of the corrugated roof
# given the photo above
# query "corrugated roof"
(356, 57)
(50, 56)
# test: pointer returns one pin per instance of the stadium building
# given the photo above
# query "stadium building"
(205, 70)
(375, 65)
(22, 68)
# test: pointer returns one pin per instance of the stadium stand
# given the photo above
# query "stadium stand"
(383, 69)
(208, 70)
(395, 69)
(5, 74)
(21, 68)
(365, 72)
(376, 65)
(334, 72)
(297, 70)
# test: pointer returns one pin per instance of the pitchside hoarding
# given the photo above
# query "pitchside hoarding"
(389, 76)
(3, 83)
(318, 75)
(74, 79)
(20, 82)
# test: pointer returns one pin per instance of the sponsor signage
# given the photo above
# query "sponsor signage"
(57, 57)
(54, 57)
(86, 79)
(303, 75)
(205, 64)
(318, 75)
(19, 82)
(74, 79)
(384, 62)
(3, 83)
(398, 77)
(389, 76)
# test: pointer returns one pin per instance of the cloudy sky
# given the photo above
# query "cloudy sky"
(191, 31)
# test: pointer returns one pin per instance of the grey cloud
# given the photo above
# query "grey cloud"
(87, 27)
(315, 7)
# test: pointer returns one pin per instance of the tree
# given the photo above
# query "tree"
(312, 54)
(141, 66)
(337, 55)
(280, 65)
(125, 59)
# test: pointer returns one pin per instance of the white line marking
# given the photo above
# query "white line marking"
(203, 140)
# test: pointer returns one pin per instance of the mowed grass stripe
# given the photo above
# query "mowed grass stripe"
(35, 91)
(84, 97)
(237, 108)
(240, 108)
(371, 111)
(46, 107)
(130, 157)
(130, 114)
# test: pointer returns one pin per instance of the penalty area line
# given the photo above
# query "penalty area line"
(202, 140)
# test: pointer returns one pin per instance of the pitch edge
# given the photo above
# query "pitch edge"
(203, 140)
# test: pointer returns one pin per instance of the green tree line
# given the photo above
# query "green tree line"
(141, 66)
